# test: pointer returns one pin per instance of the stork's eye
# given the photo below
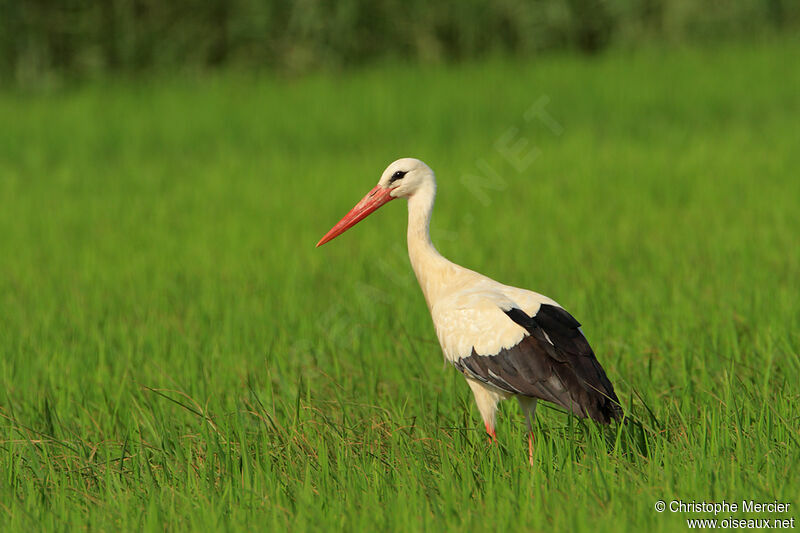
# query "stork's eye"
(397, 176)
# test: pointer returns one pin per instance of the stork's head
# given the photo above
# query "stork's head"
(401, 179)
(405, 176)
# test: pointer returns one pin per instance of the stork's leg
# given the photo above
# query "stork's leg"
(486, 399)
(528, 406)
(530, 448)
(490, 432)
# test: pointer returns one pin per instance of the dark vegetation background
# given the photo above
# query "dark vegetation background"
(51, 40)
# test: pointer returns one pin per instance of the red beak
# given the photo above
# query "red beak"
(372, 201)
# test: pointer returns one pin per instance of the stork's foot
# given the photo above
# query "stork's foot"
(491, 433)
(530, 448)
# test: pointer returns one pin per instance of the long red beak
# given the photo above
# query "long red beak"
(372, 201)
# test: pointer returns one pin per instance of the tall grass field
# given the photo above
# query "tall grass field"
(176, 355)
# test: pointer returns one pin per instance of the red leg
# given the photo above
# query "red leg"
(530, 447)
(490, 431)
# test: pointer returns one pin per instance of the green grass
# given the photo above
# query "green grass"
(175, 354)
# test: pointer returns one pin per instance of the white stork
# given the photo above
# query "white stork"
(504, 340)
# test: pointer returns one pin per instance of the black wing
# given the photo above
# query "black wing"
(553, 363)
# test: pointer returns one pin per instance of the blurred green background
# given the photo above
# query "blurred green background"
(43, 40)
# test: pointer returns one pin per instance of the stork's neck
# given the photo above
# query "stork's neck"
(428, 264)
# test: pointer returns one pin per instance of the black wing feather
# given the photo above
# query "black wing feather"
(554, 363)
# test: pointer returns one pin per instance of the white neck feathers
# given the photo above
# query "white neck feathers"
(429, 266)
